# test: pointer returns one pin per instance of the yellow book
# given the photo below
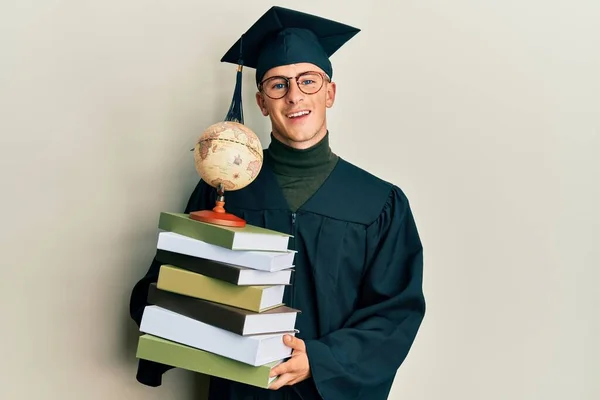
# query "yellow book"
(192, 284)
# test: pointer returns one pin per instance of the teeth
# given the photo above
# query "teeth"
(298, 114)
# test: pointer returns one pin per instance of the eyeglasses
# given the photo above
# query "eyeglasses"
(277, 87)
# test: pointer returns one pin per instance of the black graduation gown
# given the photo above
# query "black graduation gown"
(358, 282)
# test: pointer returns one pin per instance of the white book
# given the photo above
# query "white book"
(253, 350)
(253, 277)
(259, 260)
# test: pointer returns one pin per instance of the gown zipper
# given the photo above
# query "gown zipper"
(292, 291)
(293, 247)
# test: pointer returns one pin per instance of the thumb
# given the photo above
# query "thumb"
(294, 342)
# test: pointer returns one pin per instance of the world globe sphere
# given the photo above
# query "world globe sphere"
(228, 153)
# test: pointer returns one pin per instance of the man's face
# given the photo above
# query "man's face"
(298, 119)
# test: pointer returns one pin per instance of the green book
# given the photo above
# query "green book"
(249, 237)
(163, 351)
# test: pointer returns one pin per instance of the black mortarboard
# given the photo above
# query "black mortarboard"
(282, 36)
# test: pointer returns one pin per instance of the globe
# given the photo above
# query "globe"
(229, 154)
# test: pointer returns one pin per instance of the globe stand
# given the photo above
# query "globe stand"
(218, 215)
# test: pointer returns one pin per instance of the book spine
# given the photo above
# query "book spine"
(200, 310)
(187, 331)
(214, 269)
(193, 229)
(177, 243)
(188, 283)
(191, 359)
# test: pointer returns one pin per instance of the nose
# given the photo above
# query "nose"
(294, 94)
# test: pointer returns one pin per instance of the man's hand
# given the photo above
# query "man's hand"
(294, 370)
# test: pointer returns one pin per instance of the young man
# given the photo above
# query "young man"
(359, 262)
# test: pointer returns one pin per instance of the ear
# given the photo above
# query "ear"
(330, 99)
(261, 104)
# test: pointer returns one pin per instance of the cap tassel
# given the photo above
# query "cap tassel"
(236, 112)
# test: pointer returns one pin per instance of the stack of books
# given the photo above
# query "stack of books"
(217, 306)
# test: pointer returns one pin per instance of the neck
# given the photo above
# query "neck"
(290, 161)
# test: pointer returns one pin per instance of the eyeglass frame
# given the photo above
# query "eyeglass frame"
(323, 75)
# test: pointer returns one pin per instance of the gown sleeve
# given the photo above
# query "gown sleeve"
(361, 359)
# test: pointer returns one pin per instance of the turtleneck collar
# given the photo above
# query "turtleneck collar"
(289, 161)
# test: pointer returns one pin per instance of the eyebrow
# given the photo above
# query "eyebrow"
(289, 77)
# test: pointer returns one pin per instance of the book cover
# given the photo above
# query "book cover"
(233, 319)
(269, 261)
(249, 237)
(254, 350)
(188, 283)
(176, 355)
(226, 272)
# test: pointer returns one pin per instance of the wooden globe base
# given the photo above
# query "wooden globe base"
(218, 216)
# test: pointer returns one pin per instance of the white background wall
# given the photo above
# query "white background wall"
(487, 113)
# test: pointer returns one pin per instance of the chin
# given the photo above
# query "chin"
(300, 136)
(301, 133)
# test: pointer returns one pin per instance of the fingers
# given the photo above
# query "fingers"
(279, 370)
(288, 378)
(281, 381)
(290, 365)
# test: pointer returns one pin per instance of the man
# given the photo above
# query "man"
(358, 267)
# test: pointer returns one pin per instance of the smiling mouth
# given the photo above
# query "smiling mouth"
(298, 114)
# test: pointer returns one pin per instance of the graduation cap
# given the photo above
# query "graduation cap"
(282, 36)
